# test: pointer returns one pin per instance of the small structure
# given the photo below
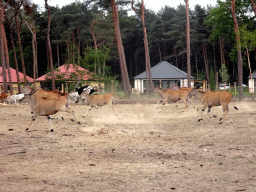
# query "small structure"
(14, 79)
(65, 75)
(251, 82)
(164, 74)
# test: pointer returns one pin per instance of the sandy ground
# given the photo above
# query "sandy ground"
(138, 150)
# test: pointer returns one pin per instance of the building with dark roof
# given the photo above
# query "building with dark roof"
(164, 74)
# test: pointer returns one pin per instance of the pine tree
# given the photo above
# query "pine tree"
(212, 80)
(224, 74)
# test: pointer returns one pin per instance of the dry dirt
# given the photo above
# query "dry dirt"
(140, 150)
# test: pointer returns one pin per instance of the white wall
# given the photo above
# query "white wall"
(184, 83)
(138, 85)
(251, 85)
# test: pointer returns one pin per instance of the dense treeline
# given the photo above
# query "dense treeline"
(83, 33)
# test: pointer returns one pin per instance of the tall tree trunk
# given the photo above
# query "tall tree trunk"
(15, 60)
(188, 45)
(21, 50)
(239, 52)
(176, 56)
(124, 73)
(7, 61)
(3, 62)
(34, 48)
(94, 42)
(206, 63)
(146, 45)
(147, 57)
(113, 6)
(48, 57)
(182, 61)
(160, 53)
(254, 6)
(222, 57)
(131, 63)
(49, 45)
(196, 66)
(79, 44)
(248, 59)
(74, 49)
(36, 63)
(196, 62)
(34, 60)
(215, 66)
(58, 54)
(68, 52)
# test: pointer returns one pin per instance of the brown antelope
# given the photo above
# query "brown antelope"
(38, 93)
(213, 98)
(168, 95)
(47, 107)
(97, 100)
(3, 97)
(86, 88)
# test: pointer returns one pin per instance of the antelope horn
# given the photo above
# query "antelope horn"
(28, 84)
(78, 82)
(198, 86)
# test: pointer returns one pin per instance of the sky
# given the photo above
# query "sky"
(154, 5)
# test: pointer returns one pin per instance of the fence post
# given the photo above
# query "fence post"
(99, 87)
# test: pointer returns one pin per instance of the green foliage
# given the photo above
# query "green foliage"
(212, 80)
(112, 86)
(224, 73)
(95, 61)
(248, 42)
(201, 75)
(176, 28)
(71, 17)
(220, 22)
(248, 38)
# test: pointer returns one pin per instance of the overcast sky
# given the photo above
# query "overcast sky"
(155, 5)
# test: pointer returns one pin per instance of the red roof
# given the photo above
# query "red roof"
(68, 72)
(14, 76)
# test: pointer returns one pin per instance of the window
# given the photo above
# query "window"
(165, 84)
(156, 83)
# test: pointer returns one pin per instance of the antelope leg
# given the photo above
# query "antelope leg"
(157, 103)
(33, 119)
(87, 111)
(49, 119)
(61, 116)
(209, 112)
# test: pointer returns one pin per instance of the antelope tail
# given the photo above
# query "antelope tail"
(234, 105)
